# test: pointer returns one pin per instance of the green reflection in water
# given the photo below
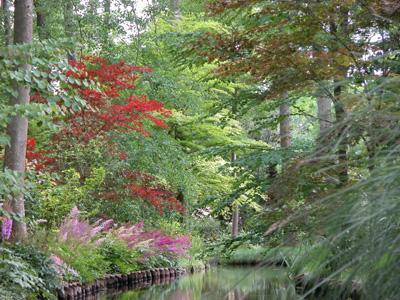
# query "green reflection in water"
(232, 283)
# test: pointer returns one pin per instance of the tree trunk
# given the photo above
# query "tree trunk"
(107, 39)
(324, 105)
(5, 4)
(15, 154)
(284, 126)
(235, 211)
(40, 19)
(235, 221)
(340, 113)
(324, 114)
(69, 25)
(107, 14)
(175, 9)
(343, 174)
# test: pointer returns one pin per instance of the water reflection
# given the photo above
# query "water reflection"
(231, 283)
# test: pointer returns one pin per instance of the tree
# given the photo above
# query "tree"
(324, 105)
(325, 122)
(175, 8)
(69, 27)
(5, 4)
(41, 19)
(292, 45)
(107, 24)
(284, 125)
(235, 210)
(18, 126)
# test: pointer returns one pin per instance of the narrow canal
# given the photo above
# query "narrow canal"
(218, 283)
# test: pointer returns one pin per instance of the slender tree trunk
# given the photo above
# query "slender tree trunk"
(343, 172)
(175, 9)
(5, 4)
(107, 14)
(235, 211)
(324, 114)
(235, 208)
(40, 19)
(284, 134)
(69, 25)
(106, 34)
(235, 221)
(284, 126)
(324, 105)
(17, 129)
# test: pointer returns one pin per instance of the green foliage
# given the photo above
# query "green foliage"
(53, 201)
(215, 71)
(88, 262)
(26, 272)
(121, 258)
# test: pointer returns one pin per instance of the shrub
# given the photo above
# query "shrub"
(104, 247)
(85, 259)
(24, 272)
(120, 257)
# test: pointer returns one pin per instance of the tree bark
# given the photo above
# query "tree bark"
(235, 211)
(341, 27)
(40, 19)
(175, 9)
(324, 105)
(107, 42)
(343, 172)
(69, 25)
(107, 14)
(15, 154)
(284, 126)
(8, 39)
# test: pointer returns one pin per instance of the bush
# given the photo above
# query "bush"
(84, 258)
(120, 257)
(26, 272)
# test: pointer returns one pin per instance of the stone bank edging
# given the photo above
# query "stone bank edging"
(77, 290)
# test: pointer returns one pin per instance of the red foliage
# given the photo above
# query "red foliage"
(158, 196)
(38, 159)
(109, 108)
(142, 185)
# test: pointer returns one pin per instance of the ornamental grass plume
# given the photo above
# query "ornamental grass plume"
(155, 240)
(134, 235)
(81, 231)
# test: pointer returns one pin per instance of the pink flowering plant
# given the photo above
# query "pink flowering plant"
(111, 244)
(6, 228)
(135, 236)
(75, 229)
(5, 221)
(155, 241)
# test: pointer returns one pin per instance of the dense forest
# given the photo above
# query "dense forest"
(179, 133)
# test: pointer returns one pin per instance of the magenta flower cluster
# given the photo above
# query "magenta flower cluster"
(81, 231)
(6, 228)
(153, 242)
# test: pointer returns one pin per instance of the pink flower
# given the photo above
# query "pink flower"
(6, 228)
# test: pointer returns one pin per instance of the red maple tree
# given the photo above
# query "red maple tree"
(111, 107)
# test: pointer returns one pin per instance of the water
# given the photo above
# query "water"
(231, 283)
